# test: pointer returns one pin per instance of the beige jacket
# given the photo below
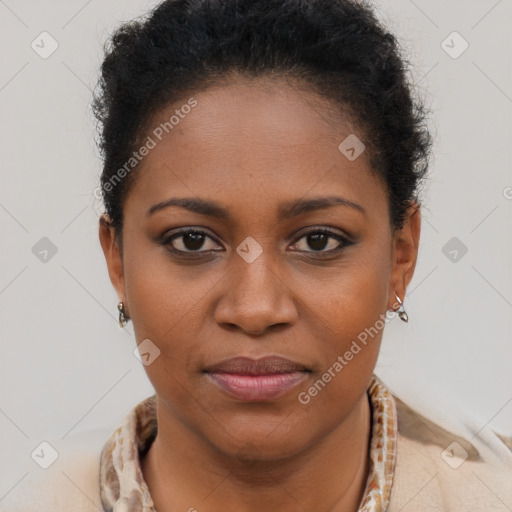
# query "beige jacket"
(435, 471)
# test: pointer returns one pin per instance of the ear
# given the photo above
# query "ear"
(404, 254)
(113, 257)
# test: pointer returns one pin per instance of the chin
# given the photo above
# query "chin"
(261, 444)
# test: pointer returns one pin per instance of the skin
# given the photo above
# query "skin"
(250, 147)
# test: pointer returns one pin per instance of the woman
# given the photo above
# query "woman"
(262, 168)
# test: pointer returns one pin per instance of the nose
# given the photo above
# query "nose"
(255, 298)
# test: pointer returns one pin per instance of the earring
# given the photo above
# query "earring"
(401, 311)
(123, 320)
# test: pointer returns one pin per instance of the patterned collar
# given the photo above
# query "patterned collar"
(123, 488)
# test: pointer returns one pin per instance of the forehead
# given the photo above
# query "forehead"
(253, 142)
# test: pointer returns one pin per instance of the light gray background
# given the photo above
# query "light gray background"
(67, 366)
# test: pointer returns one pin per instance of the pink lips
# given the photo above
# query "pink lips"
(256, 380)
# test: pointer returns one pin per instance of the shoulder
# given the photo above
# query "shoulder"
(71, 482)
(467, 468)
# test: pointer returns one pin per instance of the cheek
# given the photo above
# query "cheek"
(160, 293)
(350, 316)
(348, 298)
(350, 319)
(168, 306)
(165, 308)
(358, 300)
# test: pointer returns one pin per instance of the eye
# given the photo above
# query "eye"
(190, 240)
(320, 239)
(193, 240)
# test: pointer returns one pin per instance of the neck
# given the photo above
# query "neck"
(184, 472)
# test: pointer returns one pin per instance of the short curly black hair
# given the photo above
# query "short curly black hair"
(336, 48)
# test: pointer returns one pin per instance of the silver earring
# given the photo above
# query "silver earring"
(123, 320)
(401, 311)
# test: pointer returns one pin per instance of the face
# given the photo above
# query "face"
(291, 254)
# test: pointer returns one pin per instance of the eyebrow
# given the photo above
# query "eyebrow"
(285, 210)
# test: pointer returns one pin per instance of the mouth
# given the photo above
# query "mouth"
(261, 379)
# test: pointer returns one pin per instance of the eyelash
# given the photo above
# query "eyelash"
(345, 242)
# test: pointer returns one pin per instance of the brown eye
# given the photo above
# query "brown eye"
(190, 240)
(319, 240)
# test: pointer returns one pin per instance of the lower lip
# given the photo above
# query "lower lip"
(257, 387)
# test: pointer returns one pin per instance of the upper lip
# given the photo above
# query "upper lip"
(262, 366)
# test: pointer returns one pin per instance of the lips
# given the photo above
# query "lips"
(268, 365)
(263, 379)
